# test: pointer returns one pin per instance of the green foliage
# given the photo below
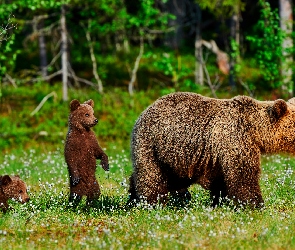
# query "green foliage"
(225, 8)
(116, 111)
(175, 67)
(267, 44)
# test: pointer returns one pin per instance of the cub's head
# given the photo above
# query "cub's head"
(82, 115)
(282, 116)
(14, 188)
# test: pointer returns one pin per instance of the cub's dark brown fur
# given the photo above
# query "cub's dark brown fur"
(12, 187)
(81, 151)
(186, 138)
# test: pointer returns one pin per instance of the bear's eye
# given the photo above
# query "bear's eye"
(20, 191)
(86, 115)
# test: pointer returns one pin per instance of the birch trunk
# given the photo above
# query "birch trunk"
(199, 73)
(136, 65)
(235, 31)
(286, 24)
(64, 56)
(93, 59)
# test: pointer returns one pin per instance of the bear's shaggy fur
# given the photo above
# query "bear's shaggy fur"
(186, 138)
(12, 187)
(81, 151)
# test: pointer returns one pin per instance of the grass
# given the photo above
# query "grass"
(47, 222)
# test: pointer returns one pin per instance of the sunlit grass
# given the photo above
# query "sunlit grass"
(48, 222)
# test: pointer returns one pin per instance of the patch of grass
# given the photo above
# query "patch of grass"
(47, 221)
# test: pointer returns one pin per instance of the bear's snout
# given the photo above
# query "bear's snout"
(95, 121)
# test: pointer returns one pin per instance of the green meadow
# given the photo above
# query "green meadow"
(32, 146)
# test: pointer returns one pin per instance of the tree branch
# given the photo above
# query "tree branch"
(43, 101)
(4, 29)
(136, 65)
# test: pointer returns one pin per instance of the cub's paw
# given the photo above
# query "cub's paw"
(75, 180)
(105, 165)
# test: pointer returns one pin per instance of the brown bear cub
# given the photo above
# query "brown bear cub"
(81, 151)
(186, 138)
(12, 187)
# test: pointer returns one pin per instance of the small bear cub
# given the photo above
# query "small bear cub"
(12, 187)
(81, 152)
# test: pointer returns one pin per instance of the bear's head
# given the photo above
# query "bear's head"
(282, 116)
(82, 115)
(14, 188)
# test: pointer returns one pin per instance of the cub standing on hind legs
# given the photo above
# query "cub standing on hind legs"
(81, 151)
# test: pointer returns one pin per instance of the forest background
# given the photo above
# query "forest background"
(115, 50)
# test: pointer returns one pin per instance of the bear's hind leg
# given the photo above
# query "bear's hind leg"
(150, 183)
(182, 196)
(218, 191)
(93, 193)
(74, 199)
(133, 198)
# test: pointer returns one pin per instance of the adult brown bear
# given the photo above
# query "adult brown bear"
(186, 138)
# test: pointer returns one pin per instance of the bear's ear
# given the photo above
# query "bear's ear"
(74, 105)
(278, 109)
(5, 180)
(292, 101)
(90, 102)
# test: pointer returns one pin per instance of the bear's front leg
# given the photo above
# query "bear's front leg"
(105, 162)
(243, 186)
(4, 206)
(74, 177)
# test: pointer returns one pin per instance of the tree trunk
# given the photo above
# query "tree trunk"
(234, 33)
(199, 73)
(176, 8)
(93, 59)
(64, 55)
(286, 24)
(136, 65)
(42, 48)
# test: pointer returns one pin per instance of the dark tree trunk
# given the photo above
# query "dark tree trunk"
(177, 8)
(42, 49)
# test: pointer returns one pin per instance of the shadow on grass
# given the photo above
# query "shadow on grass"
(105, 204)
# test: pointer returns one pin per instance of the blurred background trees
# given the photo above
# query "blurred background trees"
(230, 45)
(124, 54)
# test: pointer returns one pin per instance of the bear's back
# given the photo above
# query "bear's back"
(188, 122)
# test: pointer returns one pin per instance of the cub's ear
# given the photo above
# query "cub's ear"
(292, 101)
(5, 180)
(74, 104)
(278, 109)
(90, 102)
